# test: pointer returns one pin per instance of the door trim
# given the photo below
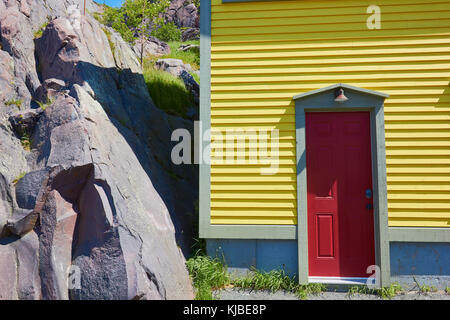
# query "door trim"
(359, 99)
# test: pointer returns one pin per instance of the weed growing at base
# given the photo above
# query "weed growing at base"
(210, 274)
(207, 274)
(384, 293)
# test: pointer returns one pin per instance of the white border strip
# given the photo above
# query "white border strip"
(338, 280)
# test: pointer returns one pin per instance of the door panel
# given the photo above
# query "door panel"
(340, 216)
(325, 241)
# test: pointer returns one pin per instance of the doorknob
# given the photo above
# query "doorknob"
(369, 193)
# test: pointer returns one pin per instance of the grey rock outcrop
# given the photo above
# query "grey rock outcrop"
(151, 47)
(22, 222)
(183, 14)
(190, 34)
(6, 77)
(189, 47)
(27, 188)
(97, 179)
(19, 20)
(23, 122)
(173, 66)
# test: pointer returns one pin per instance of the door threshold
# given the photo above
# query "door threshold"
(338, 280)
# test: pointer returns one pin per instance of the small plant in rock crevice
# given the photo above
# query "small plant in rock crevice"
(44, 105)
(19, 177)
(16, 102)
(41, 29)
(25, 141)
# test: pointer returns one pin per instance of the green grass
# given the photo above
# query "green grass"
(447, 290)
(26, 142)
(384, 293)
(272, 281)
(190, 57)
(40, 31)
(277, 280)
(389, 292)
(195, 76)
(207, 274)
(42, 105)
(210, 274)
(16, 102)
(167, 91)
(426, 289)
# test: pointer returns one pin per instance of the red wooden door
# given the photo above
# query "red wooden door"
(339, 183)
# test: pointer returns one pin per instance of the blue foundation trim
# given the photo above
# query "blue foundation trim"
(420, 259)
(264, 255)
(423, 263)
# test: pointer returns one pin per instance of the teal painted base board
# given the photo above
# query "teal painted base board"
(420, 259)
(264, 255)
(425, 262)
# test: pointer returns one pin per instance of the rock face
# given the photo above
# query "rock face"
(189, 47)
(190, 34)
(19, 20)
(151, 47)
(97, 214)
(173, 66)
(184, 14)
(6, 77)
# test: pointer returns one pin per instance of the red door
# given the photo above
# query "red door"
(339, 175)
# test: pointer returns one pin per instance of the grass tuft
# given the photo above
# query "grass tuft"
(167, 91)
(272, 281)
(26, 142)
(210, 274)
(384, 293)
(277, 280)
(16, 102)
(40, 31)
(43, 105)
(207, 274)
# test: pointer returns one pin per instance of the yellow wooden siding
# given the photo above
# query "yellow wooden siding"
(264, 53)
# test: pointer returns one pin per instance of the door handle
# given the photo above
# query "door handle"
(369, 194)
(369, 206)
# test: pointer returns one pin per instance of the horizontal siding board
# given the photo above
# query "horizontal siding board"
(302, 35)
(264, 53)
(218, 6)
(281, 12)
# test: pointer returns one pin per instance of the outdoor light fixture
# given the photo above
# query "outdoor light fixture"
(340, 97)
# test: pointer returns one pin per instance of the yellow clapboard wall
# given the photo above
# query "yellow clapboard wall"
(264, 53)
